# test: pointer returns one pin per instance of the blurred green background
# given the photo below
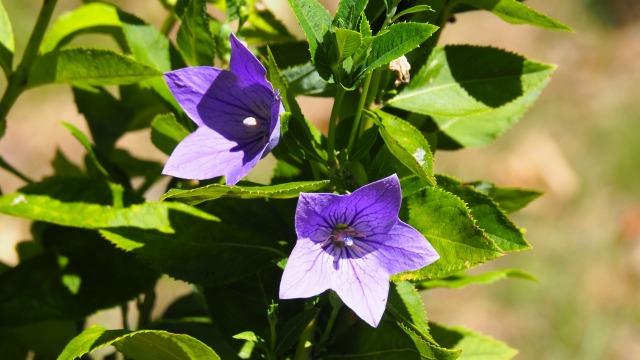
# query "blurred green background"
(580, 144)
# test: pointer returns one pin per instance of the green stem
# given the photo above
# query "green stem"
(124, 310)
(145, 307)
(168, 23)
(5, 165)
(302, 351)
(331, 137)
(18, 80)
(327, 331)
(355, 129)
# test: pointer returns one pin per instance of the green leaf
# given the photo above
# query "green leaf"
(263, 27)
(92, 17)
(429, 350)
(89, 204)
(82, 138)
(462, 280)
(509, 199)
(349, 12)
(141, 344)
(303, 138)
(473, 94)
(289, 335)
(347, 42)
(388, 341)
(150, 47)
(166, 132)
(77, 274)
(447, 224)
(45, 339)
(488, 215)
(194, 38)
(314, 19)
(7, 46)
(305, 80)
(474, 346)
(411, 10)
(216, 191)
(240, 305)
(395, 41)
(87, 67)
(515, 12)
(406, 306)
(62, 166)
(408, 145)
(220, 250)
(105, 115)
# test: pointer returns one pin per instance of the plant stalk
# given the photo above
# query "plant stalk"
(355, 129)
(331, 137)
(18, 80)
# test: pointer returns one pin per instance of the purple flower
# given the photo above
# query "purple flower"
(352, 244)
(237, 113)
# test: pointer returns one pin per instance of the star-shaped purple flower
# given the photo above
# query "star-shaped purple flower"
(237, 113)
(352, 244)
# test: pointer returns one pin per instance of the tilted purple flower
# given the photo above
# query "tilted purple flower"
(238, 116)
(352, 244)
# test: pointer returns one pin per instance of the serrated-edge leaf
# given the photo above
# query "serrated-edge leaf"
(503, 196)
(349, 12)
(473, 121)
(446, 222)
(84, 18)
(515, 12)
(167, 132)
(7, 44)
(347, 42)
(395, 41)
(408, 145)
(97, 337)
(462, 280)
(151, 215)
(194, 38)
(84, 141)
(476, 346)
(426, 349)
(87, 67)
(404, 296)
(487, 214)
(411, 10)
(420, 95)
(216, 191)
(314, 19)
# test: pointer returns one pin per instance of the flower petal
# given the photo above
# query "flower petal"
(205, 154)
(310, 220)
(245, 65)
(403, 248)
(372, 209)
(189, 85)
(362, 286)
(274, 127)
(308, 271)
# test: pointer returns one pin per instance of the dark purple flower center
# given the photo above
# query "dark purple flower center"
(342, 235)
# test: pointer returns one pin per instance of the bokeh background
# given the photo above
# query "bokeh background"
(580, 144)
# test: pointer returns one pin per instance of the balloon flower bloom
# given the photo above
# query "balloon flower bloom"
(238, 116)
(352, 244)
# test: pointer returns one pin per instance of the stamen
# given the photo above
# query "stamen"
(250, 122)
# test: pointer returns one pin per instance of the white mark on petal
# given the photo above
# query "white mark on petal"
(19, 200)
(250, 122)
(419, 155)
